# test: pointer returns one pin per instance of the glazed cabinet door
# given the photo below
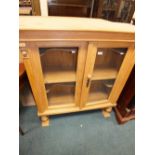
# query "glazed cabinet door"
(108, 65)
(60, 68)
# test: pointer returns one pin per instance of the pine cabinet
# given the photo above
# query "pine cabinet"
(75, 64)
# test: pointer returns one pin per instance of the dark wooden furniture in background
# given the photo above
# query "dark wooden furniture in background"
(125, 109)
(29, 7)
(22, 73)
(76, 8)
(114, 10)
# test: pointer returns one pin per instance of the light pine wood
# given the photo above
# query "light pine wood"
(36, 80)
(105, 114)
(44, 121)
(44, 7)
(72, 24)
(99, 73)
(80, 63)
(113, 44)
(80, 72)
(103, 74)
(56, 76)
(25, 10)
(73, 29)
(64, 83)
(123, 74)
(108, 109)
(36, 7)
(66, 109)
(91, 55)
(47, 35)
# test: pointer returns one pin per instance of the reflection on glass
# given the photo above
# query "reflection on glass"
(107, 64)
(58, 64)
(60, 93)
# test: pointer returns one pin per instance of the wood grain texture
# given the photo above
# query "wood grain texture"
(63, 110)
(123, 74)
(80, 71)
(64, 64)
(63, 35)
(43, 7)
(103, 74)
(36, 7)
(72, 24)
(36, 80)
(90, 61)
(56, 76)
(105, 114)
(87, 36)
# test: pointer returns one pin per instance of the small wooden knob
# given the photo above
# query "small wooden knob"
(24, 53)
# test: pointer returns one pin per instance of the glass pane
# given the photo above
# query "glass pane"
(59, 71)
(58, 64)
(60, 93)
(99, 90)
(107, 64)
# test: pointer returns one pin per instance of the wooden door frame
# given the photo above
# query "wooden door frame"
(122, 75)
(43, 103)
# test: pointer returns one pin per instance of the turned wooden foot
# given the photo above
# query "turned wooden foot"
(106, 112)
(44, 121)
(108, 109)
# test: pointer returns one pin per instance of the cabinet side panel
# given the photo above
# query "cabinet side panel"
(126, 68)
(33, 69)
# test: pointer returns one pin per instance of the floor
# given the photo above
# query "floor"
(86, 133)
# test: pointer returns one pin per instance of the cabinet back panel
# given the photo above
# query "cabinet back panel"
(59, 59)
(109, 58)
(60, 94)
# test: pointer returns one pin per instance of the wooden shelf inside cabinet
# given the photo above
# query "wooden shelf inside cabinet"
(98, 91)
(57, 76)
(63, 99)
(60, 94)
(103, 74)
(96, 96)
(25, 10)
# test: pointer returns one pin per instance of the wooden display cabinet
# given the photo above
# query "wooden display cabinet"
(75, 64)
(114, 10)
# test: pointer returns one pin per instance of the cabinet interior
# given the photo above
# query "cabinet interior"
(59, 64)
(100, 90)
(108, 62)
(60, 93)
(59, 72)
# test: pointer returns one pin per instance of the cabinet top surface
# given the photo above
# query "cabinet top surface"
(72, 24)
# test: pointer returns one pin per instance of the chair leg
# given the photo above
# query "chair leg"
(21, 131)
